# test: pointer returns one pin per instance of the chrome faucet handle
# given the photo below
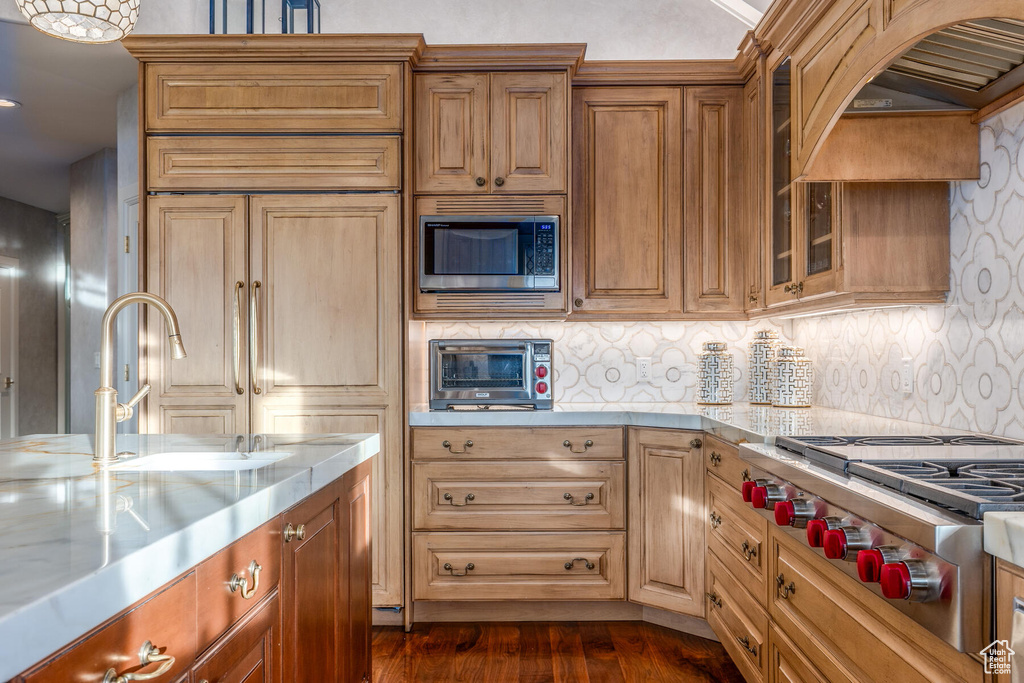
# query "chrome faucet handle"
(125, 411)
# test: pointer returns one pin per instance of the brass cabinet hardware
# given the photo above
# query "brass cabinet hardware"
(451, 570)
(714, 599)
(745, 642)
(586, 445)
(237, 582)
(148, 654)
(577, 302)
(480, 182)
(572, 564)
(8, 383)
(298, 532)
(696, 443)
(254, 337)
(784, 590)
(499, 181)
(748, 551)
(752, 298)
(716, 520)
(450, 499)
(586, 499)
(745, 475)
(716, 459)
(794, 288)
(237, 351)
(448, 444)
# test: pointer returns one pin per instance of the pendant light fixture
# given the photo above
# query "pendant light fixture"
(82, 21)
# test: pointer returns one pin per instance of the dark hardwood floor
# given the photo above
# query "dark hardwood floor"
(563, 652)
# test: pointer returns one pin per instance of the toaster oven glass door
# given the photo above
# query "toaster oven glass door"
(461, 371)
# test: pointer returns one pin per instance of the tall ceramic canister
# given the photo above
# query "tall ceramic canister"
(762, 353)
(714, 374)
(792, 376)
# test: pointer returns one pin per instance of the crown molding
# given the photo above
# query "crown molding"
(364, 47)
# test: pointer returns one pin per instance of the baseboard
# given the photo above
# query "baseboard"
(387, 617)
(679, 622)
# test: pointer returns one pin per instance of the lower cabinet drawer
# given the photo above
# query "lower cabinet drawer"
(167, 621)
(786, 664)
(738, 534)
(519, 495)
(517, 443)
(739, 621)
(723, 459)
(223, 595)
(519, 566)
(250, 652)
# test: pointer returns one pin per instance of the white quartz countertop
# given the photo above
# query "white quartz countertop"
(80, 543)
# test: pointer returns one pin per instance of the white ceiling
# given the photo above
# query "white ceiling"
(69, 91)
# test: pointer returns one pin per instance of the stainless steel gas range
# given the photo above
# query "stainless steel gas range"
(901, 514)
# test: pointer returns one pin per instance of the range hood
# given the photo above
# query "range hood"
(961, 67)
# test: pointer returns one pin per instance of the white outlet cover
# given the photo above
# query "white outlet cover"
(643, 369)
(907, 376)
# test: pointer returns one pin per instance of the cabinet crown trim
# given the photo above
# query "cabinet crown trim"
(519, 57)
(374, 47)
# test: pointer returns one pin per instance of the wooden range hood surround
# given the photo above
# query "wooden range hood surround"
(846, 45)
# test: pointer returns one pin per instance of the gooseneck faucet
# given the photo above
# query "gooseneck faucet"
(108, 411)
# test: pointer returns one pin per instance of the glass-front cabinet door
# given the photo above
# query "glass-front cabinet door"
(819, 253)
(781, 266)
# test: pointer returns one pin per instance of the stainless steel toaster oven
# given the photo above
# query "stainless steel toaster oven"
(490, 372)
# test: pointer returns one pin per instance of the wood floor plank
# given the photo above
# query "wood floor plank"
(547, 652)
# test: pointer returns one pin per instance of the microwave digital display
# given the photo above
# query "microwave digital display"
(488, 253)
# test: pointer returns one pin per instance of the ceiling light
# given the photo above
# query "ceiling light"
(8, 104)
(82, 21)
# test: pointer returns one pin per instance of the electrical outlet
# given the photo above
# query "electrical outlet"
(907, 376)
(643, 369)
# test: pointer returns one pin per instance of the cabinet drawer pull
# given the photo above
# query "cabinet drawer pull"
(748, 551)
(451, 570)
(586, 499)
(448, 444)
(696, 443)
(572, 564)
(451, 500)
(716, 520)
(716, 459)
(291, 532)
(745, 475)
(237, 582)
(586, 445)
(148, 654)
(745, 642)
(714, 599)
(784, 590)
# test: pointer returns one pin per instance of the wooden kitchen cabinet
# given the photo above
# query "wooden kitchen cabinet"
(666, 519)
(503, 133)
(1009, 592)
(249, 653)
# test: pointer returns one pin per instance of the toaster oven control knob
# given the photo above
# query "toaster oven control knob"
(797, 512)
(816, 529)
(542, 387)
(765, 497)
(871, 561)
(541, 372)
(845, 542)
(908, 580)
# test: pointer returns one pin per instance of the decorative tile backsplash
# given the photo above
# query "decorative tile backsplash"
(967, 356)
(595, 362)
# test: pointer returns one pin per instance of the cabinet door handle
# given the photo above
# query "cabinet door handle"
(298, 532)
(480, 181)
(716, 520)
(254, 337)
(696, 443)
(451, 570)
(237, 582)
(577, 302)
(499, 181)
(587, 563)
(148, 654)
(586, 499)
(448, 444)
(784, 590)
(239, 287)
(451, 500)
(745, 642)
(586, 446)
(748, 551)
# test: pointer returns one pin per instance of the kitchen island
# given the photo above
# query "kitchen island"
(82, 542)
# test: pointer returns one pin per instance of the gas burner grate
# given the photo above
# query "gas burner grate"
(1003, 471)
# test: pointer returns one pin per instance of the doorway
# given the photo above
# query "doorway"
(8, 347)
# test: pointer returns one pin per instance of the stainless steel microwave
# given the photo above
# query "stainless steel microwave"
(491, 372)
(488, 253)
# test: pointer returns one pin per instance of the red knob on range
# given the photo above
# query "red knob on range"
(542, 387)
(816, 529)
(895, 580)
(834, 543)
(784, 513)
(759, 497)
(541, 371)
(747, 490)
(869, 565)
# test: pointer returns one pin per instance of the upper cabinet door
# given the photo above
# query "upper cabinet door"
(195, 259)
(528, 132)
(627, 172)
(713, 199)
(451, 133)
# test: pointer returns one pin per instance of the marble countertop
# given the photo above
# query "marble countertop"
(81, 543)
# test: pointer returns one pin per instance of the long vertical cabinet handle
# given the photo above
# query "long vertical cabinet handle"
(254, 337)
(239, 287)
